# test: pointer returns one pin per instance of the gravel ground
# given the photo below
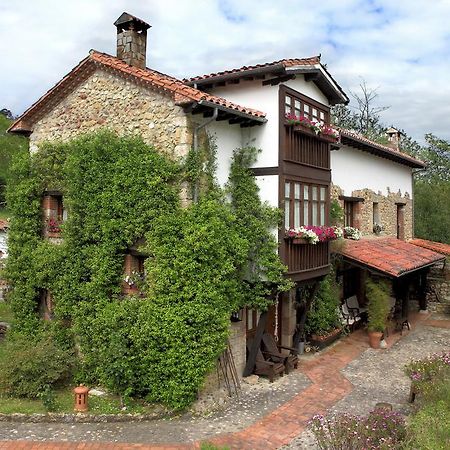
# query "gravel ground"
(377, 376)
(254, 402)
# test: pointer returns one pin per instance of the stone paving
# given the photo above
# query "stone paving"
(347, 377)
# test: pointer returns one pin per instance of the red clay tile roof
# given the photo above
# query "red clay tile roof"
(181, 93)
(389, 255)
(311, 65)
(381, 150)
(438, 247)
(282, 63)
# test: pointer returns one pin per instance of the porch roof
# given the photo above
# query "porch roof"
(438, 247)
(389, 255)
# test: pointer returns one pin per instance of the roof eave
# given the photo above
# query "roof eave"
(236, 75)
(325, 82)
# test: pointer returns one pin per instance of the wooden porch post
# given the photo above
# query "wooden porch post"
(256, 343)
(423, 290)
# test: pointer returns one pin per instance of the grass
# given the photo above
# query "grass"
(6, 314)
(108, 404)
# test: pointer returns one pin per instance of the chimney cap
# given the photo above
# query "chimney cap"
(392, 130)
(125, 20)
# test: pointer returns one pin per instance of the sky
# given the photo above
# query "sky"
(399, 47)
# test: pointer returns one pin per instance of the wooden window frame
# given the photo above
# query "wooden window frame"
(318, 202)
(311, 103)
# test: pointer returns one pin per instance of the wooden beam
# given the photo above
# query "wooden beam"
(312, 76)
(278, 80)
(224, 116)
(256, 343)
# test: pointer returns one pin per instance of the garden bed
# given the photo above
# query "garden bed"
(324, 341)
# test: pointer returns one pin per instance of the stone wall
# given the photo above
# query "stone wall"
(387, 206)
(438, 296)
(108, 100)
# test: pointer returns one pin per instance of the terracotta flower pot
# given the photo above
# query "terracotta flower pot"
(375, 338)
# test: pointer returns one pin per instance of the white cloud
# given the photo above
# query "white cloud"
(401, 46)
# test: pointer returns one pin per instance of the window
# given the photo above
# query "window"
(348, 214)
(304, 204)
(45, 305)
(299, 105)
(134, 273)
(53, 211)
(376, 218)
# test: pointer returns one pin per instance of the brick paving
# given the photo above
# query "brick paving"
(280, 427)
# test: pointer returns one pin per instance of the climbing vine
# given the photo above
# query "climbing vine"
(204, 262)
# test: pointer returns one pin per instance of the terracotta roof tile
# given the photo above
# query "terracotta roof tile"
(438, 247)
(283, 63)
(389, 255)
(182, 93)
(171, 84)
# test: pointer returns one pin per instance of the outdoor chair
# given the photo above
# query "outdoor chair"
(265, 366)
(350, 315)
(352, 303)
(280, 353)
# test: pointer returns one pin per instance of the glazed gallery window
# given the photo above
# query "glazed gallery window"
(301, 106)
(304, 204)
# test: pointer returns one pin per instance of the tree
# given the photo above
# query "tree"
(364, 118)
(9, 144)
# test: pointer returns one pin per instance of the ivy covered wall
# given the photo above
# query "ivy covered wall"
(205, 261)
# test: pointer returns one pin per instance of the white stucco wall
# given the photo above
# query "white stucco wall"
(307, 88)
(227, 138)
(353, 169)
(268, 185)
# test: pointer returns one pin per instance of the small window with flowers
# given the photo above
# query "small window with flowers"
(134, 273)
(54, 213)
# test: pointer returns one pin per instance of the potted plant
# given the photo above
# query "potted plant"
(377, 294)
(323, 323)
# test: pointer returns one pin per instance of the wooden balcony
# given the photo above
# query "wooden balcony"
(306, 261)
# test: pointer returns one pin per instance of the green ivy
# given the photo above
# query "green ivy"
(262, 272)
(205, 261)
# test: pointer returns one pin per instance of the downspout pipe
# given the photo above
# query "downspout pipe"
(195, 147)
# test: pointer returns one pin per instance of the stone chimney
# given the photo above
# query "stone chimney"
(394, 137)
(132, 40)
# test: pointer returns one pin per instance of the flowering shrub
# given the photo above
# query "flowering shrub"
(380, 429)
(317, 127)
(424, 371)
(315, 234)
(53, 225)
(352, 233)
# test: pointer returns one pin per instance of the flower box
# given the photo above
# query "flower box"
(300, 241)
(322, 341)
(305, 129)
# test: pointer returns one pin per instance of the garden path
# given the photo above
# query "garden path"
(346, 377)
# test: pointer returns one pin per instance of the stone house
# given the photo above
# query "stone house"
(298, 170)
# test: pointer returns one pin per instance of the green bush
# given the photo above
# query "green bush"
(323, 316)
(377, 293)
(29, 369)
